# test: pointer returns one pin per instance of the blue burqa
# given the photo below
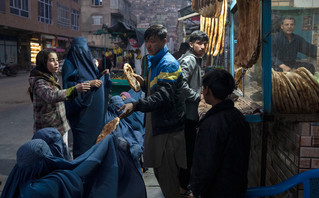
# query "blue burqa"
(85, 113)
(55, 141)
(131, 128)
(105, 170)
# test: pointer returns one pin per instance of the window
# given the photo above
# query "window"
(96, 2)
(19, 7)
(2, 6)
(45, 11)
(63, 16)
(97, 20)
(75, 18)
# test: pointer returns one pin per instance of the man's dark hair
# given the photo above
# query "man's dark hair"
(220, 82)
(198, 35)
(156, 30)
(287, 18)
(184, 47)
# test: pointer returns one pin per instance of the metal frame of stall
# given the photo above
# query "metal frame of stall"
(265, 116)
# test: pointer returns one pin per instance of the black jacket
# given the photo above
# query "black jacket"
(221, 154)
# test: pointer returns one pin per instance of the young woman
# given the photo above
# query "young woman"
(47, 95)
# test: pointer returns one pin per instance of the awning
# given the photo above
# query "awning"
(62, 38)
(45, 36)
(188, 16)
(125, 32)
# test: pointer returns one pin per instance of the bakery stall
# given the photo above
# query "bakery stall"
(281, 106)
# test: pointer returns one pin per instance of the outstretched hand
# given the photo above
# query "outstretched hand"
(128, 109)
(82, 87)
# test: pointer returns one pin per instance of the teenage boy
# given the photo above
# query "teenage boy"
(164, 144)
(192, 84)
(222, 147)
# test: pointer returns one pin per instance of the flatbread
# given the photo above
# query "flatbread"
(132, 81)
(308, 75)
(293, 94)
(297, 81)
(284, 93)
(108, 128)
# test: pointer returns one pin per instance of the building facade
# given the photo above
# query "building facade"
(97, 15)
(28, 26)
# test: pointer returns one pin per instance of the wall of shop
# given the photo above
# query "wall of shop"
(292, 147)
(32, 24)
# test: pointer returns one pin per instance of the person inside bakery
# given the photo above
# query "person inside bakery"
(222, 147)
(164, 105)
(87, 112)
(286, 45)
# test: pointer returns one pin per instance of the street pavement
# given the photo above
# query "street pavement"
(16, 121)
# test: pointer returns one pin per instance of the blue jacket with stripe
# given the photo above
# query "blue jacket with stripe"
(166, 101)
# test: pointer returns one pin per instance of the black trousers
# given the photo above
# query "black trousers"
(190, 137)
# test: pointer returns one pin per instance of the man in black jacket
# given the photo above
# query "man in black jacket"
(222, 147)
(286, 45)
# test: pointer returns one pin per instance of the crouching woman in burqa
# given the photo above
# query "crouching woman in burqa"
(105, 170)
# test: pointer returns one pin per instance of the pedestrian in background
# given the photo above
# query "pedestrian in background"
(87, 112)
(47, 95)
(164, 145)
(221, 154)
(184, 47)
(192, 84)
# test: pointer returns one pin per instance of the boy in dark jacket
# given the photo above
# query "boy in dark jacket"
(222, 147)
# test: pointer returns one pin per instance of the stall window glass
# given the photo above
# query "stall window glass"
(45, 11)
(248, 80)
(19, 7)
(294, 60)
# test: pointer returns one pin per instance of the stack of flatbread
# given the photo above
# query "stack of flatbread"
(295, 92)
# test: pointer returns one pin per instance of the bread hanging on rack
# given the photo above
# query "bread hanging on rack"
(248, 40)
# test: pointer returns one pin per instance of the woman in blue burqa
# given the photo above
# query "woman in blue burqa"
(55, 141)
(105, 170)
(86, 112)
(131, 128)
